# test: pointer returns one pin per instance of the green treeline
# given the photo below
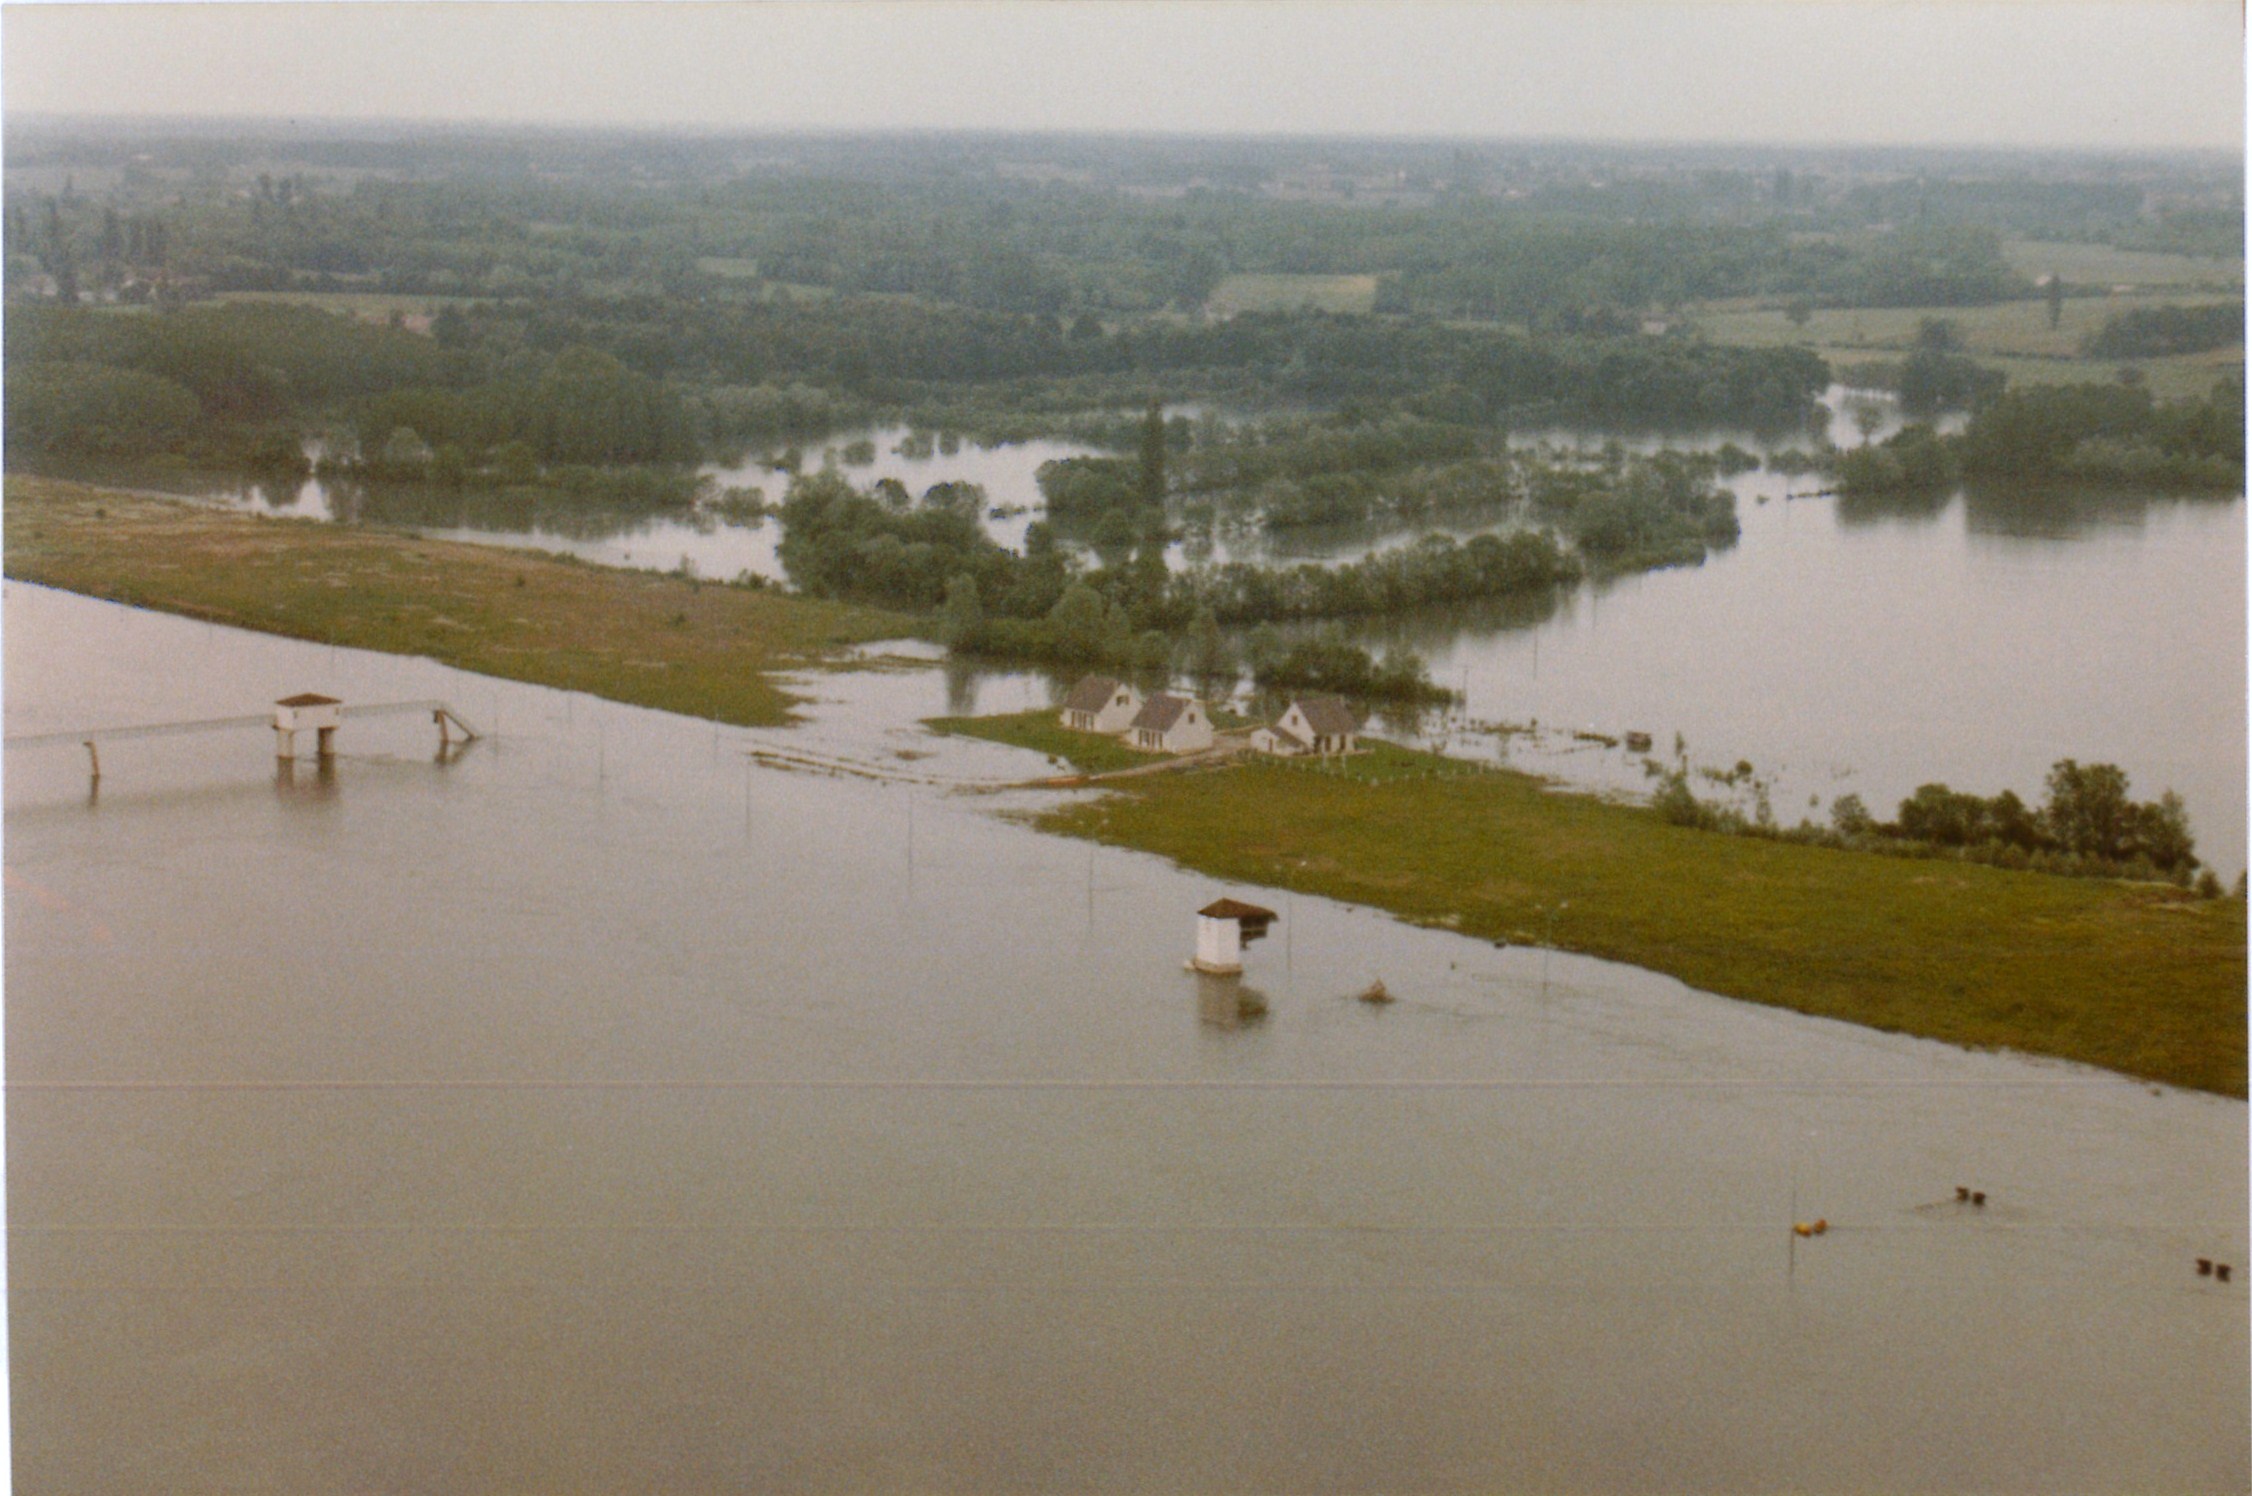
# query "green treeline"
(2067, 433)
(1131, 610)
(658, 381)
(2086, 826)
(1359, 467)
(2157, 331)
(226, 384)
(1566, 256)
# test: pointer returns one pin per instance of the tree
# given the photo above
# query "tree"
(2088, 812)
(1153, 456)
(961, 618)
(1078, 620)
(1850, 816)
(1209, 657)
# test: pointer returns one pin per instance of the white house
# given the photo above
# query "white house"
(1171, 724)
(1100, 704)
(1279, 741)
(1223, 929)
(1324, 724)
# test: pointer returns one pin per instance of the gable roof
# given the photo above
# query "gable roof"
(1284, 734)
(1327, 715)
(1236, 909)
(1161, 711)
(1091, 694)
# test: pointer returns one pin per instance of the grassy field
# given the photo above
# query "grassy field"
(640, 637)
(2137, 978)
(2012, 328)
(727, 268)
(1269, 293)
(366, 305)
(2014, 337)
(1044, 732)
(2102, 265)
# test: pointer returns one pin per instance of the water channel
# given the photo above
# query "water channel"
(594, 1110)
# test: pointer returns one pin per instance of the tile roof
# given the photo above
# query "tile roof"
(1328, 715)
(1236, 909)
(1161, 711)
(1091, 694)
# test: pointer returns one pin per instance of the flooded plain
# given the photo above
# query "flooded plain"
(594, 1110)
(1839, 647)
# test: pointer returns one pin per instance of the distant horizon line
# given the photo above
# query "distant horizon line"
(306, 124)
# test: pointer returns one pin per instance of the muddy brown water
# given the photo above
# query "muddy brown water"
(593, 1112)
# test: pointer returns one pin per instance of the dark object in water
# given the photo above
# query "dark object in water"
(1638, 742)
(2205, 1267)
(1962, 1192)
(1978, 1197)
(2221, 1271)
(1375, 992)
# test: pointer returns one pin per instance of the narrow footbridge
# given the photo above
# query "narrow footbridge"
(319, 714)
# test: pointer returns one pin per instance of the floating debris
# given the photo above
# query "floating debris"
(1374, 992)
(2205, 1267)
(1810, 1228)
(2221, 1271)
(1638, 742)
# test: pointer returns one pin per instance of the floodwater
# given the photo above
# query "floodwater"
(1843, 649)
(594, 1111)
(707, 544)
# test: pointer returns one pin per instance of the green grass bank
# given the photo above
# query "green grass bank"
(2138, 978)
(702, 649)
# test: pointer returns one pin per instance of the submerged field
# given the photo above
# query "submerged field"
(653, 640)
(2139, 978)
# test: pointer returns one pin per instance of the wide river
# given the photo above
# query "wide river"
(1973, 639)
(596, 1111)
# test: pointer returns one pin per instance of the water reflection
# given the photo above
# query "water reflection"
(2049, 512)
(1896, 507)
(1227, 1002)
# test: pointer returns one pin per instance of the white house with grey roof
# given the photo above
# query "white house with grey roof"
(1171, 724)
(1313, 724)
(1101, 704)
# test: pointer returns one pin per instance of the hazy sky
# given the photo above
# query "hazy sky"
(2139, 74)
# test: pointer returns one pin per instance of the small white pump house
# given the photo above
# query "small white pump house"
(1223, 929)
(1100, 704)
(293, 714)
(1171, 724)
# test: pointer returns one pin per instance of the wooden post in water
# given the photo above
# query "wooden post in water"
(94, 760)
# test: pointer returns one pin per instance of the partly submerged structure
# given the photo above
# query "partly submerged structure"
(307, 709)
(1223, 929)
(1101, 704)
